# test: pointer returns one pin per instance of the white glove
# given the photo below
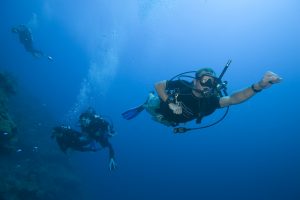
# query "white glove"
(112, 164)
(175, 108)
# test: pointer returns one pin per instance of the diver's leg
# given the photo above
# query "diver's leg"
(151, 106)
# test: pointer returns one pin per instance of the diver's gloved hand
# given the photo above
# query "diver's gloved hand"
(175, 108)
(269, 79)
(112, 164)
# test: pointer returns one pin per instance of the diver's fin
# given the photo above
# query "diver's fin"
(133, 112)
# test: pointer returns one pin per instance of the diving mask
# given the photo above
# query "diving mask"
(208, 84)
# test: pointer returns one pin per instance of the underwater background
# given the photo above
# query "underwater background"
(108, 55)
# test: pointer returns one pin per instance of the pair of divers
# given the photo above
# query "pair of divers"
(180, 100)
(94, 135)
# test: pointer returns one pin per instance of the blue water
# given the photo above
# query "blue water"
(108, 54)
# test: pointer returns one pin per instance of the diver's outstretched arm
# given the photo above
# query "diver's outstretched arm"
(267, 81)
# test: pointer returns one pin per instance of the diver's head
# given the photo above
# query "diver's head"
(205, 82)
(205, 71)
(86, 117)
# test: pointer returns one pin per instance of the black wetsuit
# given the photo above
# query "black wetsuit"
(192, 107)
(25, 38)
(98, 130)
(68, 138)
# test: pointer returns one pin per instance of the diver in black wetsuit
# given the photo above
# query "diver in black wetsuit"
(25, 37)
(100, 130)
(180, 101)
(68, 138)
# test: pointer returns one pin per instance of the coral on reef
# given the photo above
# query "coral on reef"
(36, 179)
(8, 129)
(34, 168)
(7, 84)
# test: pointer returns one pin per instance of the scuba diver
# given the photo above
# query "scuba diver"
(99, 129)
(68, 138)
(25, 37)
(180, 101)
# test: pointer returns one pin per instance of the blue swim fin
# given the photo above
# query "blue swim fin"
(133, 112)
